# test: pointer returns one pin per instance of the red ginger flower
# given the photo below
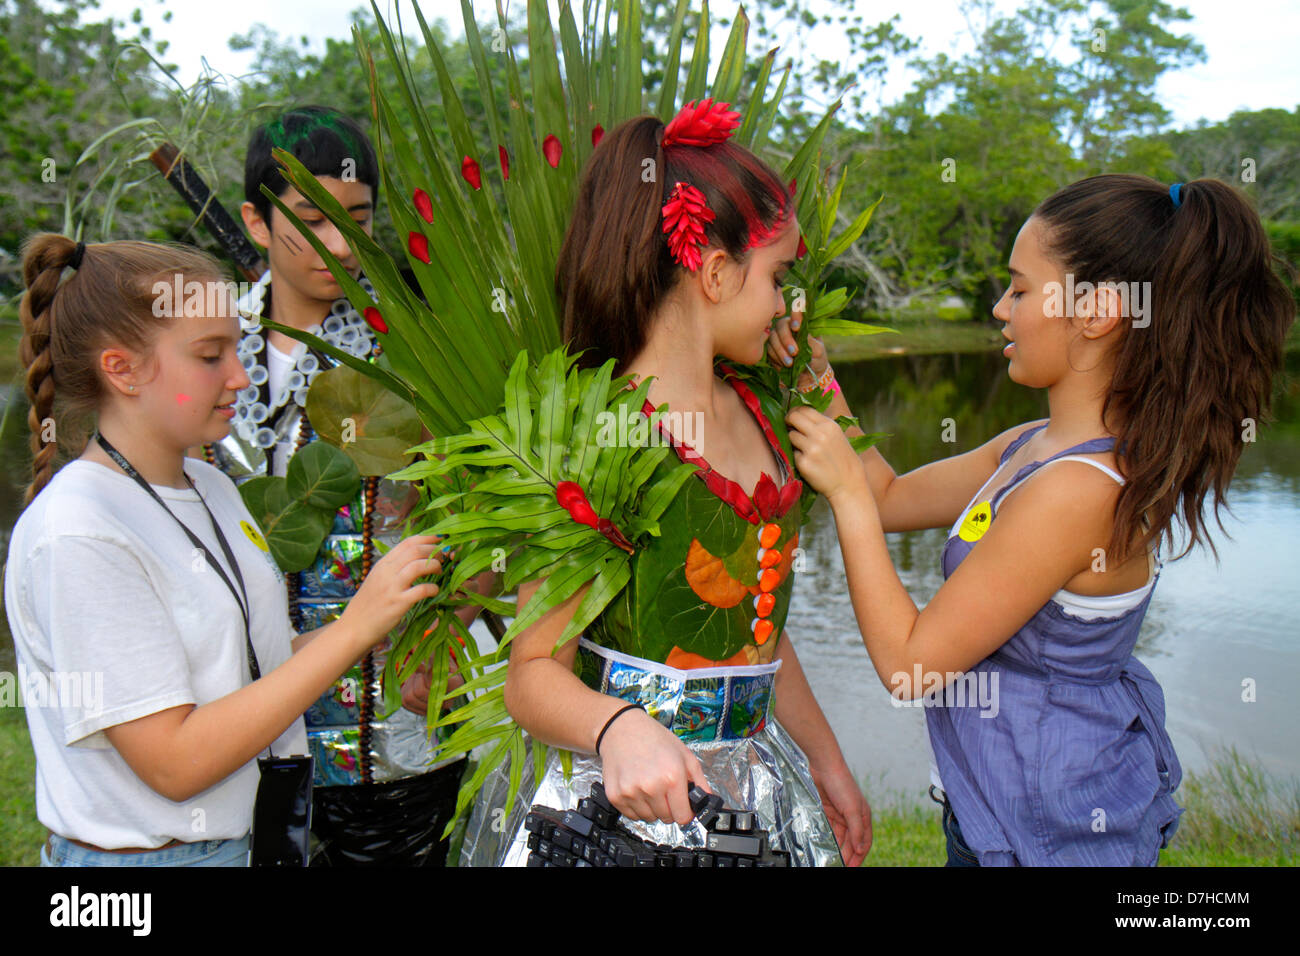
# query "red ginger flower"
(570, 496)
(701, 125)
(686, 213)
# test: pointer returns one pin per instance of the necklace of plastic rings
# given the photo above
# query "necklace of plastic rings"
(344, 328)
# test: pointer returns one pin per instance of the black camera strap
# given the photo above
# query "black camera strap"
(240, 596)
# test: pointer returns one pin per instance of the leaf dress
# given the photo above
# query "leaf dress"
(692, 638)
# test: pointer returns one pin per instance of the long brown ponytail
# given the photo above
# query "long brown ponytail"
(1189, 385)
(108, 300)
(615, 266)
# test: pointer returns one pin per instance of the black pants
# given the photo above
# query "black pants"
(399, 823)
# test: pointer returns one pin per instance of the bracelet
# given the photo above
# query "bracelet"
(617, 714)
(825, 381)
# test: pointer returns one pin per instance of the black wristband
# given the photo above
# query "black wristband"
(616, 715)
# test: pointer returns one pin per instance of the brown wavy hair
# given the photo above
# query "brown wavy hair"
(108, 300)
(615, 266)
(1183, 386)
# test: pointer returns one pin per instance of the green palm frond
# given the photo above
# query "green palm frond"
(482, 243)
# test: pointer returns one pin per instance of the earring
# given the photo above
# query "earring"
(131, 387)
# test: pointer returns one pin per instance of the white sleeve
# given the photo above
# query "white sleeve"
(112, 637)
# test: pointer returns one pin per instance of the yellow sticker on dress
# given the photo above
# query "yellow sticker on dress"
(254, 535)
(976, 522)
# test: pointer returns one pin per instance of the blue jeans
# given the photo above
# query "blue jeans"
(959, 854)
(61, 852)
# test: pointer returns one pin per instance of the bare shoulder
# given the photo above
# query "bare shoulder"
(1072, 497)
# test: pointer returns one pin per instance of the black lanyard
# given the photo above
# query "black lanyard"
(240, 596)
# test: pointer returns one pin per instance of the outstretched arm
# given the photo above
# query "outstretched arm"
(1044, 534)
(931, 496)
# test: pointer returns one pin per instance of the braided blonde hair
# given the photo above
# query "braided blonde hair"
(107, 301)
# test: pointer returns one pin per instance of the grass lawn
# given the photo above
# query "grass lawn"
(1236, 815)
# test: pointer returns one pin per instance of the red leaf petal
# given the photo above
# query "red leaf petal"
(552, 150)
(418, 243)
(505, 161)
(469, 169)
(375, 320)
(799, 253)
(597, 133)
(423, 205)
(765, 497)
(789, 495)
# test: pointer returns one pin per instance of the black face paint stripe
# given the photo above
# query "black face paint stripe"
(289, 242)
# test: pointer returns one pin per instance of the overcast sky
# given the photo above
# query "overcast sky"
(1253, 49)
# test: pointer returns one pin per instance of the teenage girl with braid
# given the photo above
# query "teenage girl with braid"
(1051, 559)
(152, 762)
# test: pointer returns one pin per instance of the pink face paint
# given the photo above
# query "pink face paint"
(182, 398)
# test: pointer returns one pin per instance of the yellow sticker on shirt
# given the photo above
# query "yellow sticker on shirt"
(254, 535)
(976, 522)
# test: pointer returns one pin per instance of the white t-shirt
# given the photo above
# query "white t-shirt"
(116, 615)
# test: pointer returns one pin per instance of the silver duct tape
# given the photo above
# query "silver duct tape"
(766, 773)
(238, 458)
(402, 748)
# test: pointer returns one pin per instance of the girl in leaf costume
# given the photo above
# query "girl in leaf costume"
(674, 258)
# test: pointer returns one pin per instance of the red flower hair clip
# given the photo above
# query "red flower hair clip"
(701, 125)
(686, 213)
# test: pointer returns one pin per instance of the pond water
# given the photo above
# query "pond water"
(1209, 627)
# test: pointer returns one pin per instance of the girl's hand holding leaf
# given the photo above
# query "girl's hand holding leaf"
(824, 457)
(783, 346)
(390, 589)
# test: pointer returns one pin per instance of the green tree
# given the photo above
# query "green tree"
(980, 139)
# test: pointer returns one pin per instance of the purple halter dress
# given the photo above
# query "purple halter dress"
(1074, 767)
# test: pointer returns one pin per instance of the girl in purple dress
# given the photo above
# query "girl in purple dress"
(1154, 319)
